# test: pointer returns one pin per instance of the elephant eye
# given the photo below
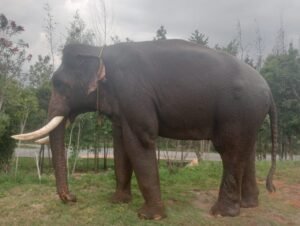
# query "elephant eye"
(60, 86)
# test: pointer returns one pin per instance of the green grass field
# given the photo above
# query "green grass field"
(188, 195)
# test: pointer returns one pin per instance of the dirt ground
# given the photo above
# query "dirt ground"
(279, 208)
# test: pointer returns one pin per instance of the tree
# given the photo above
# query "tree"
(50, 29)
(231, 48)
(12, 54)
(115, 39)
(161, 33)
(283, 75)
(279, 47)
(239, 39)
(199, 38)
(40, 72)
(39, 81)
(259, 48)
(78, 33)
(128, 39)
(248, 60)
(100, 20)
(12, 57)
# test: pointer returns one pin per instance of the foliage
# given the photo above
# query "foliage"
(231, 48)
(161, 33)
(50, 27)
(199, 38)
(12, 54)
(40, 72)
(4, 122)
(78, 33)
(12, 111)
(283, 75)
(115, 39)
(7, 146)
(24, 97)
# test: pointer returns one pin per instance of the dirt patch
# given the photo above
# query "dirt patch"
(205, 199)
(279, 208)
(288, 193)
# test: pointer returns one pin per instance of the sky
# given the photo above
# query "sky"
(139, 20)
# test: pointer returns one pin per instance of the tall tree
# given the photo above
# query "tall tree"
(115, 39)
(78, 32)
(40, 72)
(161, 33)
(231, 48)
(240, 40)
(101, 20)
(49, 27)
(259, 47)
(279, 47)
(283, 75)
(39, 81)
(199, 38)
(12, 54)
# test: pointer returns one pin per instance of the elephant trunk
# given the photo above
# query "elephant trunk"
(59, 162)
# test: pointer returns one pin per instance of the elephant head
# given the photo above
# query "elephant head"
(74, 91)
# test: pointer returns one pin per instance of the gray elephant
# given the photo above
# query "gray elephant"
(171, 88)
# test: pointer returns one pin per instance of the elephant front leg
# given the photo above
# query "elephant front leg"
(123, 169)
(59, 163)
(141, 151)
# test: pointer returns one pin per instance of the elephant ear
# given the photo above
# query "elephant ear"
(99, 76)
(87, 52)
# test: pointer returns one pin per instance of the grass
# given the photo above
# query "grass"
(188, 195)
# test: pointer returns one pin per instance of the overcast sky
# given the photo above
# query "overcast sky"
(139, 19)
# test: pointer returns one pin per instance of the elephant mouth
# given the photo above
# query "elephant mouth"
(42, 132)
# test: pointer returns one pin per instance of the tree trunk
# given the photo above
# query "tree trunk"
(77, 148)
(290, 148)
(105, 155)
(1, 100)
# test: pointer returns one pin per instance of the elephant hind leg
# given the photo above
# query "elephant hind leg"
(228, 203)
(233, 144)
(249, 195)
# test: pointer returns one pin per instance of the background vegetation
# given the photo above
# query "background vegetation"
(25, 85)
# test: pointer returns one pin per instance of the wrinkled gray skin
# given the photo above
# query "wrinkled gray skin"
(172, 89)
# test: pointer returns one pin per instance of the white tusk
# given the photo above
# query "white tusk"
(41, 132)
(44, 140)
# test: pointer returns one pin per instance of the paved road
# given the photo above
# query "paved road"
(26, 152)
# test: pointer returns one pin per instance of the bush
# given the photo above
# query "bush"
(7, 146)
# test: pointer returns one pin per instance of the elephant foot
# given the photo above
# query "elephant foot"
(152, 212)
(225, 209)
(249, 202)
(121, 197)
(67, 197)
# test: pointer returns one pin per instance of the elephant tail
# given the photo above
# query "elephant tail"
(274, 136)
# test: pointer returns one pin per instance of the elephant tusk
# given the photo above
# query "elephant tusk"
(44, 140)
(41, 132)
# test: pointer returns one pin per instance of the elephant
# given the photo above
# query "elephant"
(168, 88)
